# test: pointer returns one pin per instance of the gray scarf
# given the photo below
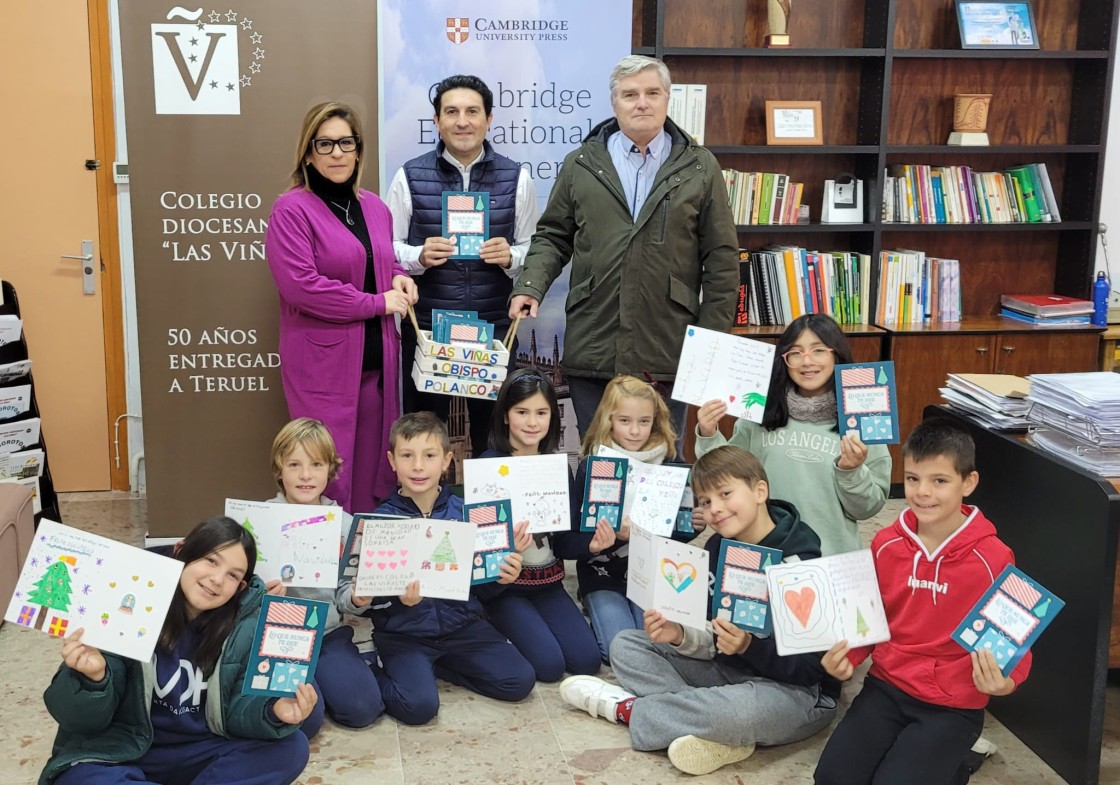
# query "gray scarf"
(818, 408)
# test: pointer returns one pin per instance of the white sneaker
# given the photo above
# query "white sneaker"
(694, 755)
(597, 697)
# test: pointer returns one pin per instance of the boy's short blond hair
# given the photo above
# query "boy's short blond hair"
(724, 463)
(314, 437)
(410, 426)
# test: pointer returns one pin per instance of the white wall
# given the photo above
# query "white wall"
(1110, 197)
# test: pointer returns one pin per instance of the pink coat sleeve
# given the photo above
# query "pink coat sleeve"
(291, 258)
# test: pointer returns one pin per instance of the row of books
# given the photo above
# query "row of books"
(688, 106)
(780, 283)
(763, 197)
(918, 193)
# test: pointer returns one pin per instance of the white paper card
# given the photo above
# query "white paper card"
(819, 602)
(668, 576)
(438, 553)
(118, 593)
(653, 493)
(297, 544)
(26, 463)
(11, 327)
(14, 401)
(11, 371)
(536, 485)
(720, 365)
(15, 436)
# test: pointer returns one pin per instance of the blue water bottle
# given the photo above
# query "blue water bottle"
(1100, 300)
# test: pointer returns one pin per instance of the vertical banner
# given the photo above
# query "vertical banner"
(214, 98)
(548, 65)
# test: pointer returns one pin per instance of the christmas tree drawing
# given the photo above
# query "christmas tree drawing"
(861, 625)
(249, 528)
(52, 590)
(444, 554)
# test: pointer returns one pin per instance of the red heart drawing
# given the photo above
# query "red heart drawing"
(801, 603)
(404, 562)
(369, 554)
(392, 565)
(390, 553)
(381, 565)
(368, 563)
(404, 552)
(731, 398)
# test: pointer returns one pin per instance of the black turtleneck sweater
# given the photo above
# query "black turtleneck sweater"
(339, 197)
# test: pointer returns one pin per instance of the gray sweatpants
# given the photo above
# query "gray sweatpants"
(678, 696)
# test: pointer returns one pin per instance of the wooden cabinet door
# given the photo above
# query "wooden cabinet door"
(921, 362)
(1026, 353)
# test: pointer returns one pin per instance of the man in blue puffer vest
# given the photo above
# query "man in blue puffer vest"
(462, 161)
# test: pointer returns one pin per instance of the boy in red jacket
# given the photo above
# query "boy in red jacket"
(922, 704)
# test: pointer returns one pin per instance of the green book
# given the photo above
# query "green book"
(1024, 187)
(765, 197)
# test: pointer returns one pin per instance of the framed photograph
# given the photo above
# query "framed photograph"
(793, 122)
(988, 25)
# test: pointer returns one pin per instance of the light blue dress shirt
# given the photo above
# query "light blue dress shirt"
(637, 172)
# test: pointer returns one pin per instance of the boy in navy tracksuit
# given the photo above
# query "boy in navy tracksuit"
(419, 639)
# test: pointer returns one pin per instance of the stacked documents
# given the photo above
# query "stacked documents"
(996, 400)
(1081, 412)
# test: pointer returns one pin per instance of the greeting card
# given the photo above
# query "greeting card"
(286, 646)
(536, 486)
(437, 553)
(466, 221)
(740, 595)
(668, 576)
(653, 493)
(867, 401)
(493, 539)
(604, 492)
(297, 544)
(720, 365)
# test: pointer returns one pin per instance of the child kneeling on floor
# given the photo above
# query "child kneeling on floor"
(711, 695)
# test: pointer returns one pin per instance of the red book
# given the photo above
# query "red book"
(1046, 304)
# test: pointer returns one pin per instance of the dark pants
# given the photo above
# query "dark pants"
(477, 657)
(548, 629)
(213, 760)
(479, 411)
(889, 737)
(348, 690)
(586, 393)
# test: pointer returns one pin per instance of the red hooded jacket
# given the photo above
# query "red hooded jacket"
(926, 596)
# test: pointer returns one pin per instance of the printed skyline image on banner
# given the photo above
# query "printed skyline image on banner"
(548, 65)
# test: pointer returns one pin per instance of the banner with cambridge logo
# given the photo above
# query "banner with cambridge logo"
(548, 65)
(214, 98)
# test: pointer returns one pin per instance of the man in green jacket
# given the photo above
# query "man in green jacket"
(641, 212)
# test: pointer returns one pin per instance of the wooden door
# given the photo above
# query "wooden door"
(1026, 353)
(921, 364)
(50, 207)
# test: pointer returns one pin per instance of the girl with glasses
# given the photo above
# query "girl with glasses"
(833, 480)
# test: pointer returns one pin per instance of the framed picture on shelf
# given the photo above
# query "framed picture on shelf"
(793, 122)
(991, 25)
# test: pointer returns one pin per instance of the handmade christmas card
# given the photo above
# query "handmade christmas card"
(819, 602)
(466, 221)
(740, 595)
(719, 365)
(437, 553)
(119, 594)
(286, 646)
(536, 486)
(867, 401)
(653, 493)
(604, 492)
(297, 544)
(668, 576)
(1009, 617)
(493, 539)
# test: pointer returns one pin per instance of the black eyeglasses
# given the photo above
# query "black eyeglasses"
(346, 144)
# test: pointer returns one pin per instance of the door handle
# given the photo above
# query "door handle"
(87, 266)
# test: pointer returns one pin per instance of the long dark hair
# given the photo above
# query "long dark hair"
(519, 386)
(215, 625)
(776, 414)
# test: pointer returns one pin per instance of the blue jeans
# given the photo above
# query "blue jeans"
(548, 629)
(348, 690)
(610, 613)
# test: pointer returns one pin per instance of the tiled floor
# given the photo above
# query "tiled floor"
(473, 740)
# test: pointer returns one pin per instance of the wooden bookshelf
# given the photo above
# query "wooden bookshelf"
(886, 72)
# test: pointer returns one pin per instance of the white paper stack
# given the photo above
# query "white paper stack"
(1081, 415)
(997, 401)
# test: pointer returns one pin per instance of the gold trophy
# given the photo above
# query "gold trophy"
(777, 23)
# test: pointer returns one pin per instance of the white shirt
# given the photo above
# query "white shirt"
(525, 215)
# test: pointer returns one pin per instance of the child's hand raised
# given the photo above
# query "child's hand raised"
(293, 711)
(661, 630)
(729, 638)
(411, 594)
(623, 534)
(987, 676)
(86, 660)
(510, 568)
(357, 599)
(708, 417)
(853, 452)
(604, 537)
(835, 661)
(521, 537)
(698, 522)
(276, 588)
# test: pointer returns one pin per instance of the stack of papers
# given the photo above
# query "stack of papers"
(1081, 412)
(996, 400)
(1104, 461)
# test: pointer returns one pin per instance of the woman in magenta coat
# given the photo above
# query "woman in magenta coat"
(329, 246)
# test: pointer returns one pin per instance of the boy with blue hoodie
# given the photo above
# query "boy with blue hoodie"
(421, 638)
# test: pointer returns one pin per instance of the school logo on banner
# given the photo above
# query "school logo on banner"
(198, 64)
(458, 29)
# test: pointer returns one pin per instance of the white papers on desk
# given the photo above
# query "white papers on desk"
(999, 392)
(724, 366)
(1083, 405)
(11, 327)
(986, 416)
(1104, 461)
